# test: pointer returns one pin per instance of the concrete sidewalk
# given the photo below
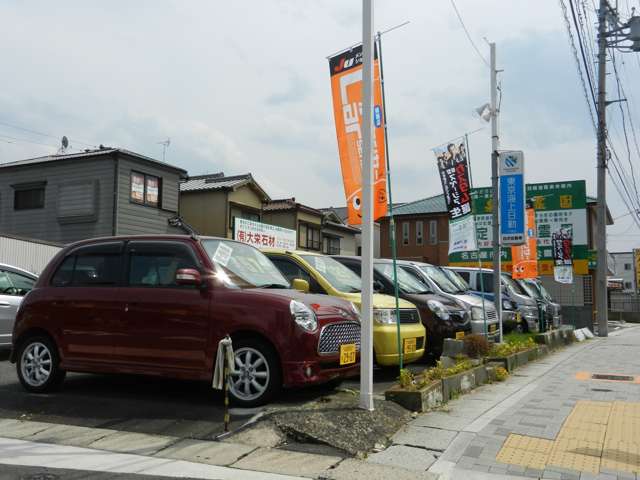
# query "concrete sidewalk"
(463, 440)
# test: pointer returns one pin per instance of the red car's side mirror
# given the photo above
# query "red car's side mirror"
(188, 276)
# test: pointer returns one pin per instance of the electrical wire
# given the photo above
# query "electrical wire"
(464, 27)
(35, 132)
(579, 68)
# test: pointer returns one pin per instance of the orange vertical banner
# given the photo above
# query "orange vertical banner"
(525, 256)
(346, 90)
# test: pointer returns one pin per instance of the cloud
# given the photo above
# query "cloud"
(244, 86)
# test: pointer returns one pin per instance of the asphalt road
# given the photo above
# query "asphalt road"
(12, 472)
(143, 404)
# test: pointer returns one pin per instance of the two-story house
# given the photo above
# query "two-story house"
(73, 196)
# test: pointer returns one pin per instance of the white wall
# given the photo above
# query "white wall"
(28, 255)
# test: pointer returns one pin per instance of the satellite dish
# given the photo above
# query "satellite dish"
(64, 144)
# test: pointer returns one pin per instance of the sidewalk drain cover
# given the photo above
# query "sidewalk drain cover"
(616, 378)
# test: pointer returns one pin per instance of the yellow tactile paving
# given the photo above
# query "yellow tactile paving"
(595, 435)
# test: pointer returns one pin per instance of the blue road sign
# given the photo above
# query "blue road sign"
(512, 198)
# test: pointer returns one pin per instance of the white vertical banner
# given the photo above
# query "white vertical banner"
(462, 235)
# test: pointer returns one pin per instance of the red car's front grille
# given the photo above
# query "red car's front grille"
(336, 334)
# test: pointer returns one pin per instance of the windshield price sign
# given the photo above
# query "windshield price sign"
(512, 222)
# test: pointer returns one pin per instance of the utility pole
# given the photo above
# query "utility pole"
(497, 270)
(366, 323)
(601, 211)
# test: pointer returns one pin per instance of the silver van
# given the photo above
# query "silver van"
(15, 283)
(440, 283)
(512, 292)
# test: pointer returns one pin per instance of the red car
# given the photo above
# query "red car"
(159, 305)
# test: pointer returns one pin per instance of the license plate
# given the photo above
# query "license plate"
(459, 335)
(347, 353)
(493, 327)
(409, 345)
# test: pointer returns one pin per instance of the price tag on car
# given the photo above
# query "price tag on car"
(409, 345)
(459, 335)
(518, 317)
(347, 353)
(493, 327)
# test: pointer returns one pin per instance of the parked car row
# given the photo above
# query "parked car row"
(159, 305)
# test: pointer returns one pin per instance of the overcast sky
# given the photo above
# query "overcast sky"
(243, 86)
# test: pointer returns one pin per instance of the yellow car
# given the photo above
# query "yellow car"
(317, 273)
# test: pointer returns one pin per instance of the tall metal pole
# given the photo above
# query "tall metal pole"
(366, 325)
(392, 224)
(494, 182)
(601, 209)
(481, 276)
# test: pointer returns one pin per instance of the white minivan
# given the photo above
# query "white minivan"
(440, 283)
(15, 283)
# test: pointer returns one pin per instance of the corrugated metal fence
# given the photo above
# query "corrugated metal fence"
(31, 255)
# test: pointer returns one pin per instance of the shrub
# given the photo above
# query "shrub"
(511, 347)
(501, 374)
(406, 379)
(476, 346)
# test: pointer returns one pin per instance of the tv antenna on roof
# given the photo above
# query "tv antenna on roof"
(165, 145)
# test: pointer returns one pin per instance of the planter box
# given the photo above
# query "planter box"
(463, 382)
(421, 400)
(490, 368)
(509, 362)
(522, 358)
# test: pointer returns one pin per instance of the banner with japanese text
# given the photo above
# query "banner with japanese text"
(558, 206)
(525, 256)
(453, 169)
(346, 89)
(263, 235)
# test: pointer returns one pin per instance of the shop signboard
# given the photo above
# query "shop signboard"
(512, 221)
(263, 235)
(525, 256)
(345, 69)
(558, 206)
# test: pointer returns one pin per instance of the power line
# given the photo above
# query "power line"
(35, 132)
(584, 58)
(579, 68)
(464, 27)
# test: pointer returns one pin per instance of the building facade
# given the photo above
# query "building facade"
(69, 197)
(622, 268)
(317, 230)
(210, 203)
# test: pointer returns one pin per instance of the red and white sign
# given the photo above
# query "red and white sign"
(263, 235)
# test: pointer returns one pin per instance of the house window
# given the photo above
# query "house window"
(587, 290)
(145, 189)
(302, 235)
(313, 238)
(419, 232)
(236, 212)
(331, 245)
(627, 266)
(405, 233)
(433, 232)
(28, 197)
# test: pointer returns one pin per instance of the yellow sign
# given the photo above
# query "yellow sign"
(459, 335)
(566, 201)
(409, 345)
(347, 353)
